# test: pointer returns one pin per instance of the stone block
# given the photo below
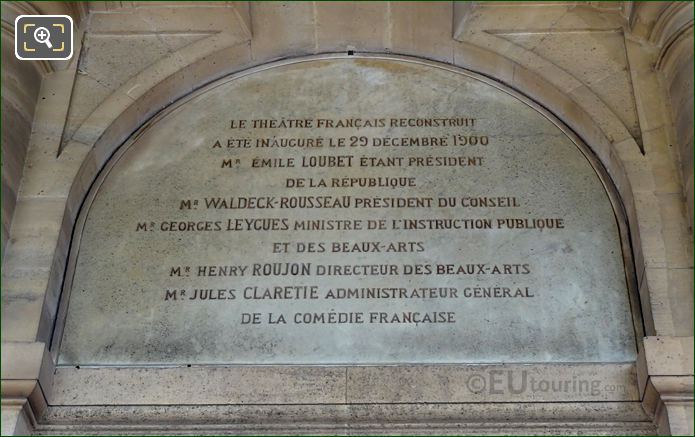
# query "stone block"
(293, 23)
(421, 29)
(359, 26)
(669, 355)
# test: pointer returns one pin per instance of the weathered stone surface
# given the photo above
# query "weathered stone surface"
(199, 385)
(571, 303)
(658, 170)
(577, 52)
(21, 85)
(526, 418)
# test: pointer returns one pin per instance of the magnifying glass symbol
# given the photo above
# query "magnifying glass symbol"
(42, 36)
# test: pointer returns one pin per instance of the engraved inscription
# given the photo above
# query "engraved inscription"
(422, 216)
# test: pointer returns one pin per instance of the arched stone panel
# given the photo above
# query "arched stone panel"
(486, 62)
(400, 66)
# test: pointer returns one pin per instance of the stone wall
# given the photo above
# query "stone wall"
(618, 74)
(21, 84)
(674, 31)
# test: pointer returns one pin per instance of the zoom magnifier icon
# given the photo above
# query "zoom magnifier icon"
(43, 36)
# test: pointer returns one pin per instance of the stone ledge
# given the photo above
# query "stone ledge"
(349, 419)
(291, 385)
(671, 356)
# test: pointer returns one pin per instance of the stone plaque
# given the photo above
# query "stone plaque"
(348, 211)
